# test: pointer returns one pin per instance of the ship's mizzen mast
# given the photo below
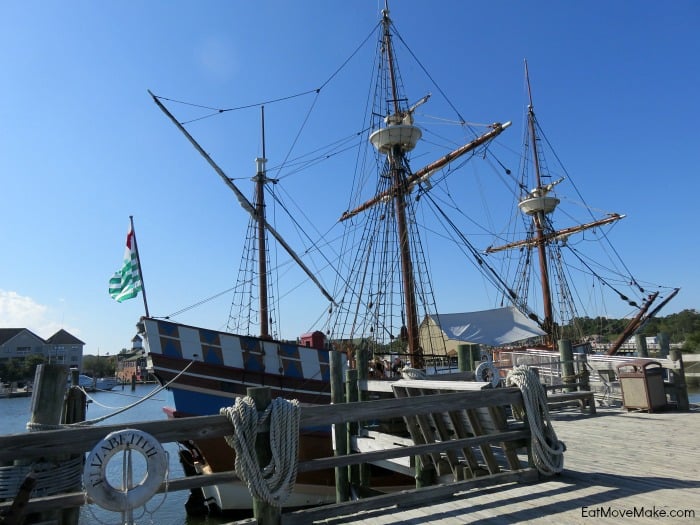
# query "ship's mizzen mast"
(538, 204)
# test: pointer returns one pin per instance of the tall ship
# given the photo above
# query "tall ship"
(383, 287)
(389, 241)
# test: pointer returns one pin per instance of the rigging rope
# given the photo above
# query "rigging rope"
(275, 482)
(127, 407)
(547, 450)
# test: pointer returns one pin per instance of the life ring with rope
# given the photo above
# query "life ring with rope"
(488, 372)
(97, 485)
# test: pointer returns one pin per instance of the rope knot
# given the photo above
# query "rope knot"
(547, 450)
(274, 482)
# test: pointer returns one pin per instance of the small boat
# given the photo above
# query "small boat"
(95, 384)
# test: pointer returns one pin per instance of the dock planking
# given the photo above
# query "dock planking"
(616, 462)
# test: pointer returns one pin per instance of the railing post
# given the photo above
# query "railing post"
(342, 492)
(362, 395)
(664, 344)
(74, 411)
(50, 382)
(566, 356)
(463, 354)
(362, 360)
(351, 394)
(583, 372)
(678, 380)
(264, 513)
(640, 341)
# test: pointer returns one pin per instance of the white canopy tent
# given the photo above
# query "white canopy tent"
(496, 327)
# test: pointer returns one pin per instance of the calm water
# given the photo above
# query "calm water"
(166, 510)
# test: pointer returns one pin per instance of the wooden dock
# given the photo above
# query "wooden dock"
(617, 463)
(619, 467)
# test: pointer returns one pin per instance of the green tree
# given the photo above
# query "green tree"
(692, 343)
(98, 366)
(11, 370)
(30, 364)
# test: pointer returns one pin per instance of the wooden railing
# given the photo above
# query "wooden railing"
(51, 443)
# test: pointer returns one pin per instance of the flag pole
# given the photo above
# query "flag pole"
(138, 260)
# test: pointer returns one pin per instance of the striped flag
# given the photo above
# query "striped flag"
(126, 282)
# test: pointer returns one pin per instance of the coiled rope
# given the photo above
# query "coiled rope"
(547, 450)
(52, 477)
(412, 373)
(275, 482)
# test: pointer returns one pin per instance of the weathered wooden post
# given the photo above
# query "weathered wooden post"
(467, 357)
(74, 411)
(74, 407)
(425, 475)
(664, 344)
(463, 361)
(678, 380)
(50, 383)
(351, 395)
(263, 512)
(474, 355)
(362, 361)
(362, 395)
(566, 356)
(640, 342)
(583, 372)
(340, 442)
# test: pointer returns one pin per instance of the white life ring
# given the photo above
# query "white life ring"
(488, 372)
(95, 479)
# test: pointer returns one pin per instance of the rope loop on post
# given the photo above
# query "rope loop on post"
(547, 450)
(275, 482)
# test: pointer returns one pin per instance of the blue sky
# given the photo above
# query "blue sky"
(82, 145)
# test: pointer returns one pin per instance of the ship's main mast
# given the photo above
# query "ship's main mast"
(399, 137)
